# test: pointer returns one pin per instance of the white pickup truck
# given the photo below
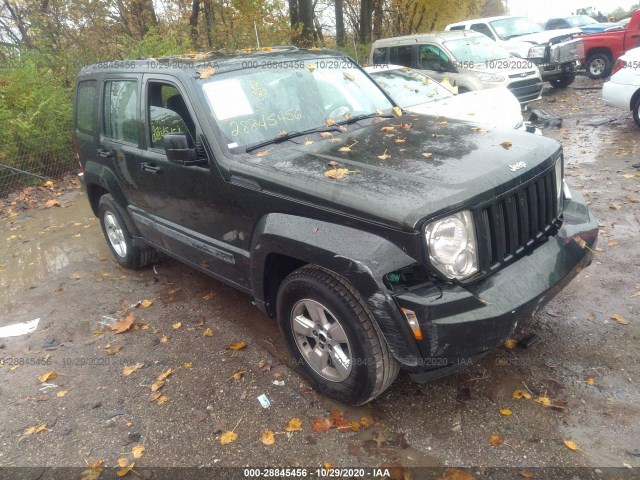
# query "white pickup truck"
(557, 53)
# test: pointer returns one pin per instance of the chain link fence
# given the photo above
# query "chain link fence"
(32, 163)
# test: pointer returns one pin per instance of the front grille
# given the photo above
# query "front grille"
(526, 90)
(567, 51)
(513, 223)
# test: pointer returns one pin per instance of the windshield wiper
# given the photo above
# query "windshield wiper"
(364, 116)
(289, 136)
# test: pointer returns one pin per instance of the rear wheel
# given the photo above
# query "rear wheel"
(118, 235)
(598, 65)
(562, 82)
(332, 336)
(636, 111)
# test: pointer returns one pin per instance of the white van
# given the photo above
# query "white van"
(469, 60)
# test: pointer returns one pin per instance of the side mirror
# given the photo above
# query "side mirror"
(176, 145)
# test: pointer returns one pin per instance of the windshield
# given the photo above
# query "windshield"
(258, 104)
(581, 21)
(476, 50)
(514, 27)
(409, 88)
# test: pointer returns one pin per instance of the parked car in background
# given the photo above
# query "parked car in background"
(585, 23)
(603, 49)
(469, 60)
(415, 92)
(623, 88)
(558, 53)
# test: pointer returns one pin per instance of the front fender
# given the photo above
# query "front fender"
(360, 257)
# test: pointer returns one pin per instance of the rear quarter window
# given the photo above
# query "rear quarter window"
(85, 118)
(379, 56)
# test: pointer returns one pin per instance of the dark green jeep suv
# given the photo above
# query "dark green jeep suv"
(380, 240)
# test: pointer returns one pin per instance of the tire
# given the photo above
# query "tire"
(563, 82)
(323, 319)
(117, 232)
(636, 112)
(462, 90)
(598, 65)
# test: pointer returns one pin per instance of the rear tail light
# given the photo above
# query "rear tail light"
(620, 64)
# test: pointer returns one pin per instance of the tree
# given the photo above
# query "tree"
(340, 33)
(492, 8)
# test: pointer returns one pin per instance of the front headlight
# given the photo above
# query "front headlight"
(559, 183)
(537, 51)
(452, 245)
(489, 77)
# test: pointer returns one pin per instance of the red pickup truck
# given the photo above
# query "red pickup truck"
(603, 49)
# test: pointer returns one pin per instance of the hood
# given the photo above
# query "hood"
(546, 36)
(495, 107)
(466, 167)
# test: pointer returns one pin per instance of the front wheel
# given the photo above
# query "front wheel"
(118, 235)
(598, 66)
(562, 82)
(636, 112)
(332, 336)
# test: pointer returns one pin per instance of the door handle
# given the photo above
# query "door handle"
(105, 153)
(151, 168)
(635, 36)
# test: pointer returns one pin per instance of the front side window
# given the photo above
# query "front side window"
(85, 114)
(254, 105)
(121, 111)
(432, 58)
(168, 113)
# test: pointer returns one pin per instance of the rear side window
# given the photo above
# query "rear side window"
(379, 56)
(85, 114)
(483, 28)
(121, 111)
(402, 56)
(458, 27)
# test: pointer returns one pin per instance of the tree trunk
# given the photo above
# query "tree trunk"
(377, 19)
(339, 23)
(208, 21)
(305, 12)
(22, 27)
(366, 12)
(193, 23)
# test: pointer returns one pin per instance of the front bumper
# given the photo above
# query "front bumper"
(551, 71)
(462, 323)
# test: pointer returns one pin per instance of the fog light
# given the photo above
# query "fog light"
(412, 320)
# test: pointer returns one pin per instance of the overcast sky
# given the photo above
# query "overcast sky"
(541, 10)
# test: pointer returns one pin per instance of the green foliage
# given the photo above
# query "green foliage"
(161, 41)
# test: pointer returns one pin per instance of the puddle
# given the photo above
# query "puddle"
(38, 245)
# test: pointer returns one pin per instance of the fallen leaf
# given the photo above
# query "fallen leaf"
(14, 368)
(47, 376)
(36, 429)
(506, 145)
(510, 344)
(321, 425)
(137, 451)
(177, 325)
(207, 333)
(338, 173)
(145, 303)
(329, 122)
(612, 243)
(526, 474)
(384, 156)
(427, 155)
(187, 365)
(62, 393)
(544, 401)
(347, 148)
(208, 296)
(206, 72)
(113, 350)
(326, 134)
(157, 385)
(237, 375)
(456, 474)
(311, 67)
(571, 445)
(126, 468)
(268, 437)
(164, 339)
(263, 153)
(161, 399)
(127, 371)
(228, 437)
(164, 375)
(621, 320)
(294, 425)
(308, 142)
(496, 440)
(400, 140)
(237, 346)
(443, 123)
(518, 394)
(366, 422)
(590, 381)
(122, 325)
(51, 203)
(506, 412)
